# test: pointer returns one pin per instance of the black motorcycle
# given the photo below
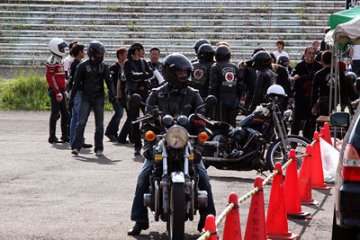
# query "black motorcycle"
(173, 196)
(257, 143)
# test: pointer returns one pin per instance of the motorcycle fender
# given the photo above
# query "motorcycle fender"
(177, 177)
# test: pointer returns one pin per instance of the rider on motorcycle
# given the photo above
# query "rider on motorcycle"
(174, 98)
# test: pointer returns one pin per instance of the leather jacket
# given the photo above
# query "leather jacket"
(225, 81)
(182, 102)
(89, 78)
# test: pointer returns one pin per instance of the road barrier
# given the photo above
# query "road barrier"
(284, 202)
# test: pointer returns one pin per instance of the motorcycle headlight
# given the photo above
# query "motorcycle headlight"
(176, 137)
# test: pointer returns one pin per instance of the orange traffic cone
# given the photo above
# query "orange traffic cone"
(255, 226)
(210, 226)
(291, 190)
(327, 133)
(317, 174)
(276, 222)
(232, 230)
(305, 178)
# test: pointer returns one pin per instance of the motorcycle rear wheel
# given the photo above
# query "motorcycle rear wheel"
(176, 220)
(275, 153)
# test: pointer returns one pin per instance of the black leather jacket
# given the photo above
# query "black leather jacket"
(225, 81)
(265, 78)
(201, 77)
(138, 75)
(182, 102)
(89, 78)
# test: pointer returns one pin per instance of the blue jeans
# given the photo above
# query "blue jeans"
(113, 126)
(74, 116)
(139, 212)
(88, 103)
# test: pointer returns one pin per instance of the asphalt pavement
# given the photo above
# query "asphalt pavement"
(46, 193)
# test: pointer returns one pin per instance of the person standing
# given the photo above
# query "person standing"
(303, 76)
(55, 76)
(155, 64)
(117, 76)
(201, 73)
(68, 60)
(77, 52)
(280, 44)
(355, 59)
(226, 85)
(89, 78)
(138, 74)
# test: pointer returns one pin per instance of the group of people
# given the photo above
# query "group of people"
(179, 82)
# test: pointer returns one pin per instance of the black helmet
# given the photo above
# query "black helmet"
(283, 61)
(174, 63)
(222, 52)
(206, 52)
(198, 43)
(261, 59)
(96, 51)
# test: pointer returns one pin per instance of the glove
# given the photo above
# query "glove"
(59, 97)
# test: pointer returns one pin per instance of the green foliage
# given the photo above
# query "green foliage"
(27, 91)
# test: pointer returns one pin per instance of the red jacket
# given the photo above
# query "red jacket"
(55, 74)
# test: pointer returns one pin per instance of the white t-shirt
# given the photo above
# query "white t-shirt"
(278, 54)
(356, 52)
(67, 63)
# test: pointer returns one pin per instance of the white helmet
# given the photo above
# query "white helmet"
(57, 46)
(276, 90)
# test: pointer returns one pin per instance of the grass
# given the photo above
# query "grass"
(27, 91)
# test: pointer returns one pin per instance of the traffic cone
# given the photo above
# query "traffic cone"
(291, 190)
(317, 174)
(210, 226)
(327, 133)
(276, 221)
(232, 230)
(305, 178)
(255, 226)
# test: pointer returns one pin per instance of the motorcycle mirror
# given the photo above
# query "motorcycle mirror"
(210, 101)
(167, 121)
(135, 101)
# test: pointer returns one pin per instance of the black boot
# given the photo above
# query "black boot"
(138, 227)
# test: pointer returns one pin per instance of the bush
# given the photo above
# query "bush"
(27, 91)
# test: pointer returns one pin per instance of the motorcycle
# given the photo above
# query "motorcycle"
(173, 195)
(257, 143)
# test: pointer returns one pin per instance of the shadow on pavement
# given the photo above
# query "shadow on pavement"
(61, 146)
(232, 179)
(163, 236)
(95, 159)
(305, 223)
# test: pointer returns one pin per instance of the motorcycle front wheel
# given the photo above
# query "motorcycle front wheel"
(176, 220)
(275, 152)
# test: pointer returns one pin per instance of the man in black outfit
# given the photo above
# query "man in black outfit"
(201, 74)
(225, 85)
(138, 76)
(174, 98)
(115, 72)
(89, 78)
(303, 76)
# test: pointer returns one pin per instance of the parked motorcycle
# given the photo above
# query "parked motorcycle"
(257, 143)
(173, 196)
